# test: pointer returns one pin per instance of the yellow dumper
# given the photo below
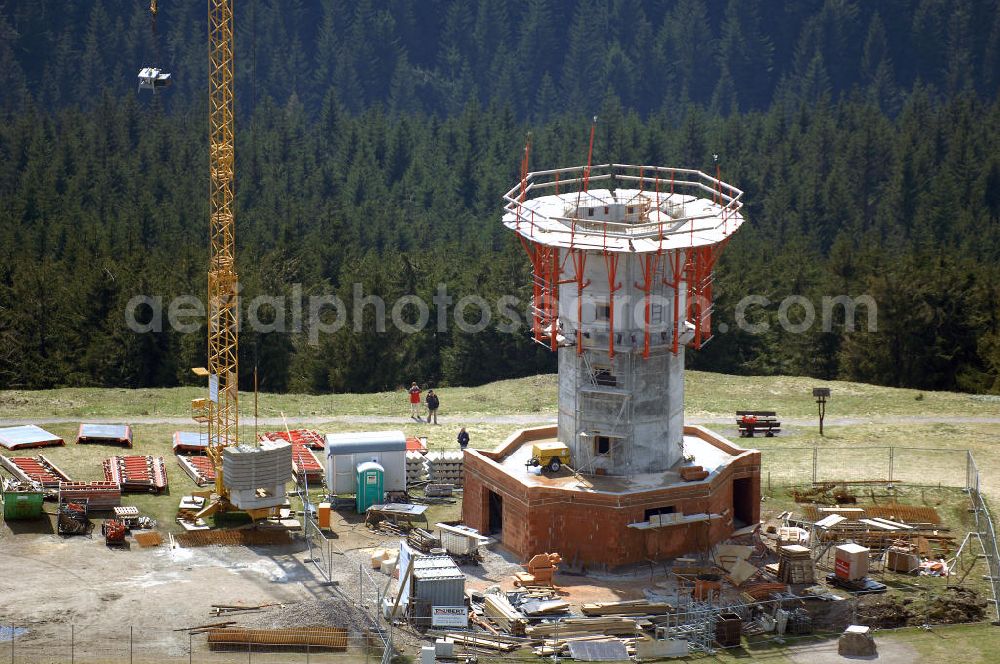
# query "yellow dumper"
(550, 456)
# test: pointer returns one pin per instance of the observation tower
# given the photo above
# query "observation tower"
(622, 260)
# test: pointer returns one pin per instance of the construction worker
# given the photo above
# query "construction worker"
(463, 438)
(432, 407)
(415, 402)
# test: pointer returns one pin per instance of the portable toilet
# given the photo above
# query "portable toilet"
(371, 485)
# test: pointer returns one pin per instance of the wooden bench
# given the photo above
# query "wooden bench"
(750, 422)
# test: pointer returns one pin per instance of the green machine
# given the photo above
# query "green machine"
(370, 485)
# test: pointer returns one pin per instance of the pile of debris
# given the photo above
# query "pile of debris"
(951, 606)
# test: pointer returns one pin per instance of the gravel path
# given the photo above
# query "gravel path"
(524, 419)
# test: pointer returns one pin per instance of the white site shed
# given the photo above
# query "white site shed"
(344, 451)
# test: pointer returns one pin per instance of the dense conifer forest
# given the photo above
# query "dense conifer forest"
(375, 138)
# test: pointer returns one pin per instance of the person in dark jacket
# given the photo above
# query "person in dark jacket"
(432, 407)
(463, 438)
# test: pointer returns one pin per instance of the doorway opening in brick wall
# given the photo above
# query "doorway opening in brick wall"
(494, 522)
(743, 503)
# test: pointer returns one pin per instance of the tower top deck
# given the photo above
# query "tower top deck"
(636, 209)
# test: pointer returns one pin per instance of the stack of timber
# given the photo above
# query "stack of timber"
(422, 540)
(622, 648)
(795, 565)
(416, 467)
(503, 613)
(762, 591)
(446, 467)
(635, 607)
(97, 495)
(484, 641)
(569, 627)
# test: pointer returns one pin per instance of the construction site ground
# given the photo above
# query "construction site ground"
(50, 584)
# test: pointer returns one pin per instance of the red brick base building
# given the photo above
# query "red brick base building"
(587, 520)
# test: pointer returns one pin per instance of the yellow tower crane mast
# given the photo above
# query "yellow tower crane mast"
(223, 313)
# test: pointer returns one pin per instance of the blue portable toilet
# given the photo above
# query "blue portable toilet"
(370, 486)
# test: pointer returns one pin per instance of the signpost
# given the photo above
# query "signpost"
(821, 394)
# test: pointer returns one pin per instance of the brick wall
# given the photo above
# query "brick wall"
(590, 528)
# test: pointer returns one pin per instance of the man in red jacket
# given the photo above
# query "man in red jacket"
(415, 402)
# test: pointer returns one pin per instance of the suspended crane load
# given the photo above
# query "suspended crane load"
(153, 78)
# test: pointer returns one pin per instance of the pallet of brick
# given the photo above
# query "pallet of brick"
(311, 439)
(305, 465)
(416, 467)
(99, 495)
(693, 473)
(446, 467)
(136, 474)
(198, 468)
(795, 565)
(35, 469)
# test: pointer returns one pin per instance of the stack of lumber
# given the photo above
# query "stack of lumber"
(693, 473)
(422, 540)
(446, 467)
(762, 591)
(795, 565)
(416, 467)
(635, 607)
(558, 647)
(98, 495)
(503, 613)
(485, 641)
(569, 627)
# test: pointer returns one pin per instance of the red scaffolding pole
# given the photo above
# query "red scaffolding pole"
(611, 262)
(650, 263)
(579, 267)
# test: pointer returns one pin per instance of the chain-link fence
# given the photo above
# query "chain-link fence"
(919, 466)
(30, 643)
(913, 466)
